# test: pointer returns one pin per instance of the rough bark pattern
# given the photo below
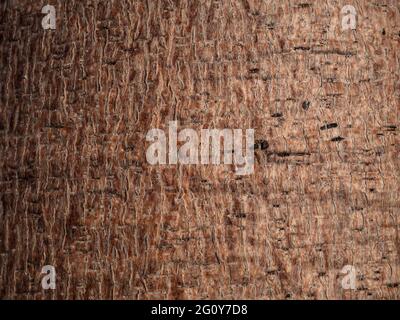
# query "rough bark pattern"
(78, 193)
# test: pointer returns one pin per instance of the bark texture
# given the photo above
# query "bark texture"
(76, 191)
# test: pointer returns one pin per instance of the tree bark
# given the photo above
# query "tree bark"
(77, 193)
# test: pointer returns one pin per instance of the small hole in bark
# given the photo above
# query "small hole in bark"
(337, 139)
(261, 144)
(329, 126)
(276, 115)
(305, 105)
(254, 70)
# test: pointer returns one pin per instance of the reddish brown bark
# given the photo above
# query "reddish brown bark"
(78, 194)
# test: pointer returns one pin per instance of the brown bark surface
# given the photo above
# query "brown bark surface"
(76, 191)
